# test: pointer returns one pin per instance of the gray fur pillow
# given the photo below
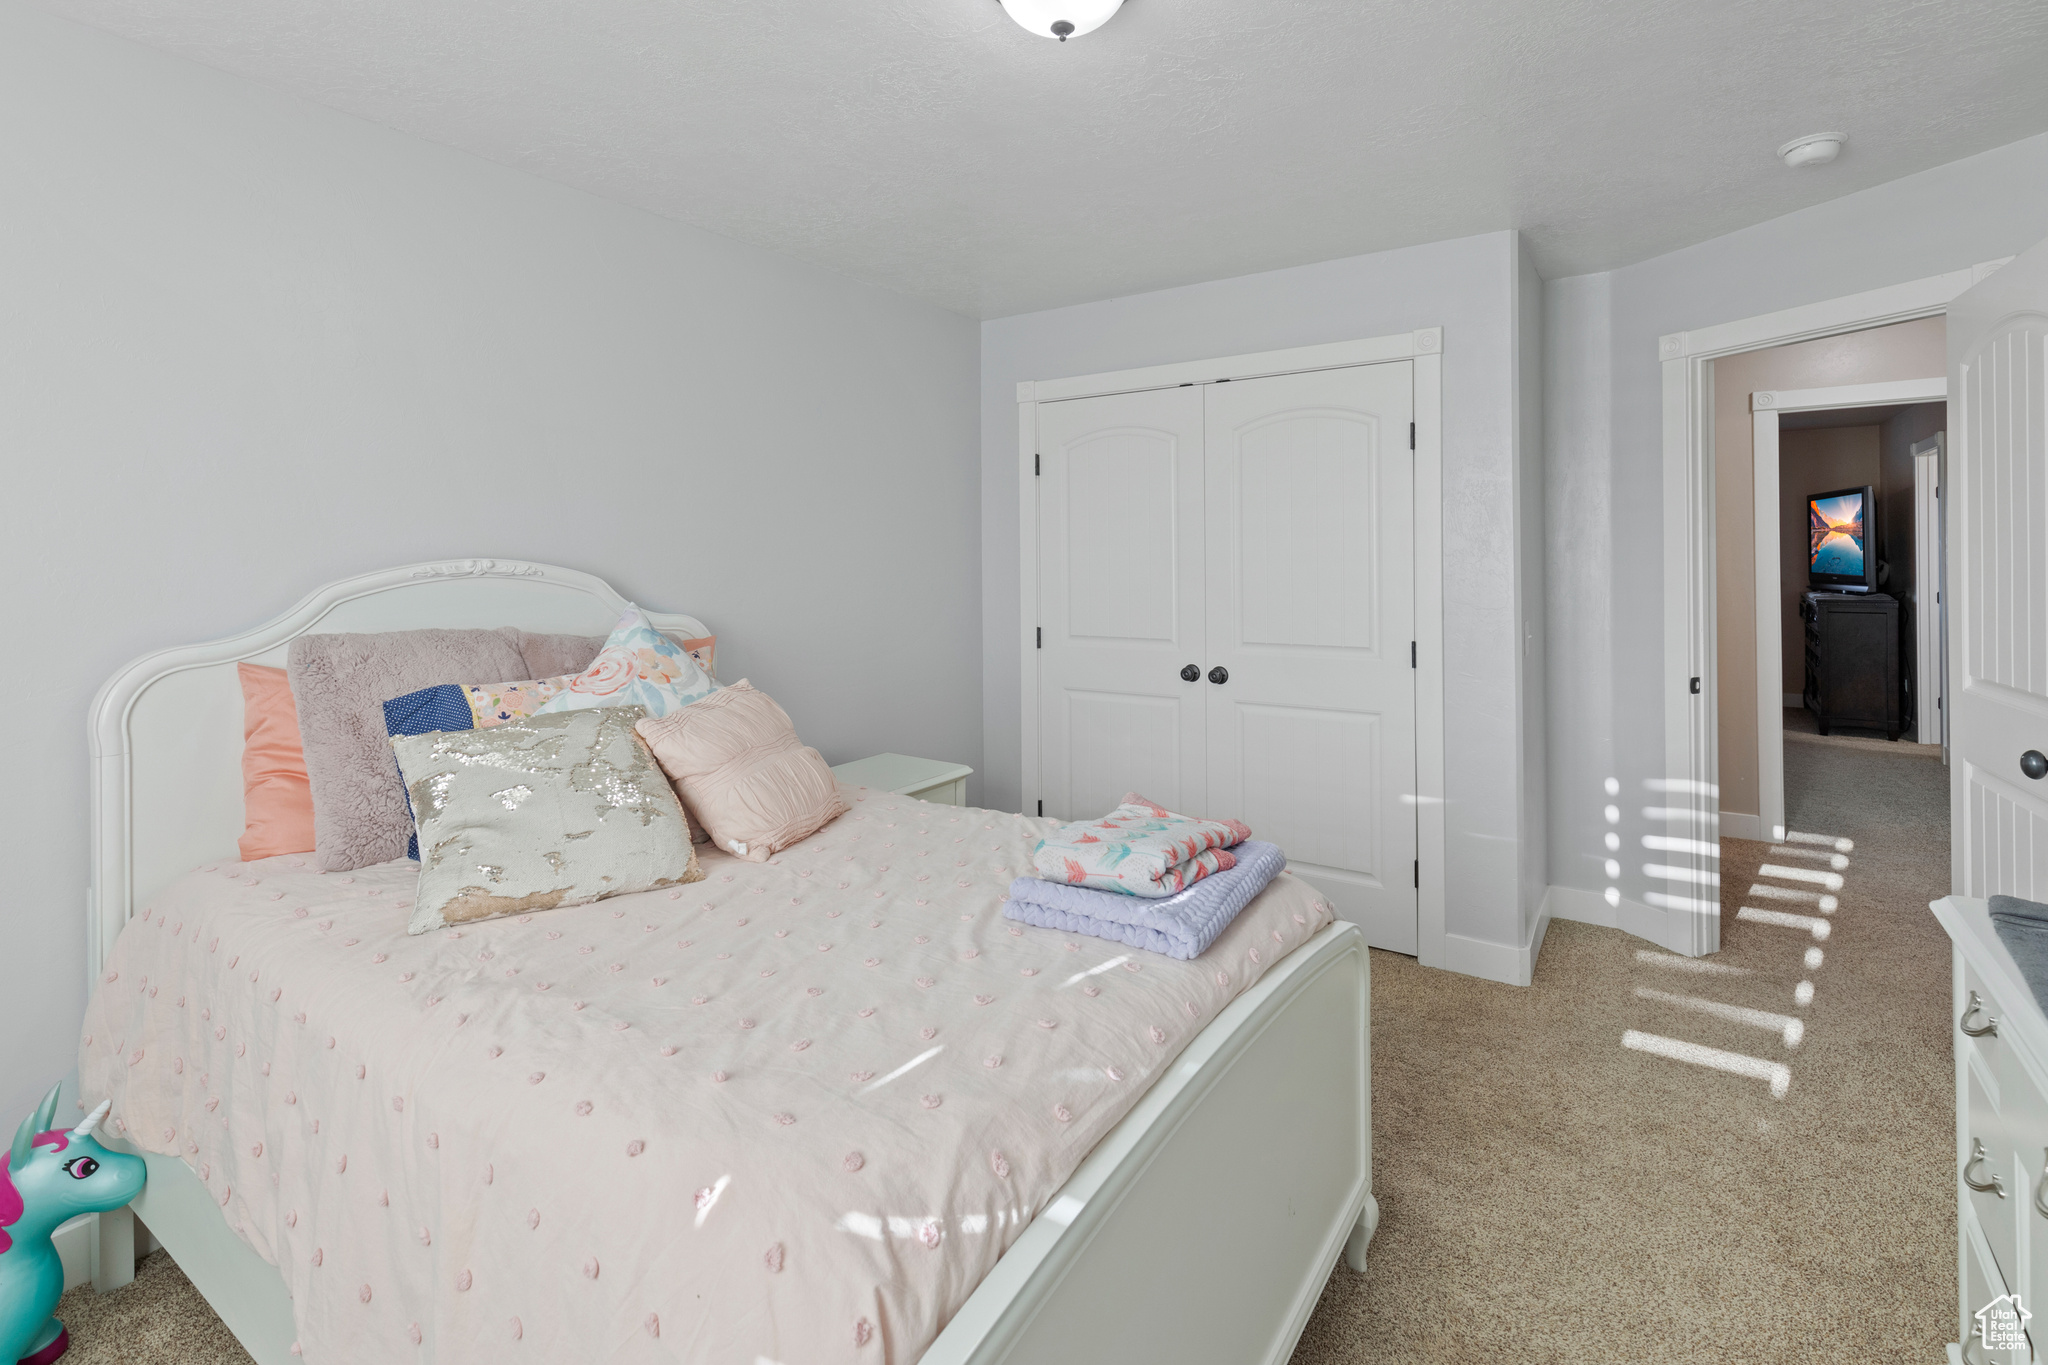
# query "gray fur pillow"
(340, 684)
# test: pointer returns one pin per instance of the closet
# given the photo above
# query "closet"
(1225, 618)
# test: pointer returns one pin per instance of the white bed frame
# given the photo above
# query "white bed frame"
(1201, 1229)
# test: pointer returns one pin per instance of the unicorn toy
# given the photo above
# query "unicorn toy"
(49, 1176)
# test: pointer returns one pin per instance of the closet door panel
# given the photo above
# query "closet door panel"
(1310, 609)
(1120, 600)
(1299, 769)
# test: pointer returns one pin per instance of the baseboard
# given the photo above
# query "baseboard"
(1631, 917)
(1507, 963)
(73, 1241)
(1737, 825)
(1793, 701)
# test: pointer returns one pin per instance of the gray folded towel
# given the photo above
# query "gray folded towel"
(2023, 928)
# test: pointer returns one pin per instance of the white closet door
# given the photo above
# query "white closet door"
(1998, 580)
(1311, 607)
(1120, 601)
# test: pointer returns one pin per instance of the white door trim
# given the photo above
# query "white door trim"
(1425, 349)
(1765, 409)
(1930, 710)
(1691, 730)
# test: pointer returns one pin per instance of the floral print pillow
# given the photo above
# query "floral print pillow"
(495, 703)
(638, 666)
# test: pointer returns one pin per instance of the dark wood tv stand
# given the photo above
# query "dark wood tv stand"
(1852, 660)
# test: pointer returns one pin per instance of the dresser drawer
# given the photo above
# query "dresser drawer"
(1980, 1285)
(1978, 1012)
(1986, 1165)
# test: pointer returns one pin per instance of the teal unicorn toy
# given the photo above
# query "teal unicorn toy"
(47, 1177)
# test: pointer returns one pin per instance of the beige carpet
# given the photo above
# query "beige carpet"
(1803, 727)
(1551, 1196)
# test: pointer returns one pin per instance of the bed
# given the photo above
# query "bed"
(1181, 1197)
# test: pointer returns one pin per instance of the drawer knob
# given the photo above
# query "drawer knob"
(2041, 1184)
(1992, 1186)
(1987, 1029)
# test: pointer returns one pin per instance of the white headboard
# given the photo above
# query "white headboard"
(166, 731)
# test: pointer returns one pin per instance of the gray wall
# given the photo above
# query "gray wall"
(1578, 426)
(1470, 287)
(1533, 682)
(253, 346)
(1603, 356)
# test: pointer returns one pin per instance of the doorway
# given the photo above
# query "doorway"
(1232, 583)
(1697, 406)
(1847, 559)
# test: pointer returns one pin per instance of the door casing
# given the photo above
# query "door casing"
(1425, 349)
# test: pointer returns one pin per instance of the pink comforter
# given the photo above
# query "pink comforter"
(793, 1113)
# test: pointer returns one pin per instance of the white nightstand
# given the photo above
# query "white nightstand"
(927, 779)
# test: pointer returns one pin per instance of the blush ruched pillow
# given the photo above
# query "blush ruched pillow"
(743, 775)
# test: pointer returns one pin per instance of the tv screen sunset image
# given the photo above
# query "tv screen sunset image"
(1837, 534)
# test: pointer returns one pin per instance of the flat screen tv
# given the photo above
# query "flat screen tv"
(1839, 554)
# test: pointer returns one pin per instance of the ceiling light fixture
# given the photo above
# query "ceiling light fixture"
(1061, 19)
(1815, 149)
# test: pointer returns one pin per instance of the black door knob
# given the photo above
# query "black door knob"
(1219, 674)
(1190, 674)
(2034, 764)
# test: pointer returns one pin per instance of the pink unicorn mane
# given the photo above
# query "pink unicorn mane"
(10, 1198)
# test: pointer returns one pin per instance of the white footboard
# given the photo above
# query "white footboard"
(1200, 1230)
(1204, 1226)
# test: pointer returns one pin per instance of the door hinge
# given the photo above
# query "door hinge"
(1411, 654)
(1041, 637)
(1695, 687)
(1418, 874)
(1041, 806)
(1034, 465)
(1411, 435)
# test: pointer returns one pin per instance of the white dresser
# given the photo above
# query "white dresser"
(2001, 1048)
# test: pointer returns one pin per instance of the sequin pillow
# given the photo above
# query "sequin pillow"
(540, 812)
(638, 666)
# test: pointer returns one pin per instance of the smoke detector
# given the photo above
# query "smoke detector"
(1815, 149)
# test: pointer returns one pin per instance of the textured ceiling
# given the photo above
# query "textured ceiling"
(934, 147)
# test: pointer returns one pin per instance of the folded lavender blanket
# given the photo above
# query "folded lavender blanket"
(1180, 925)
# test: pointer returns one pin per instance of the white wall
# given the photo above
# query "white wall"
(1532, 688)
(1578, 412)
(251, 346)
(1469, 287)
(1603, 389)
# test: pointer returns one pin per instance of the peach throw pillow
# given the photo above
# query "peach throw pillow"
(276, 798)
(734, 759)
